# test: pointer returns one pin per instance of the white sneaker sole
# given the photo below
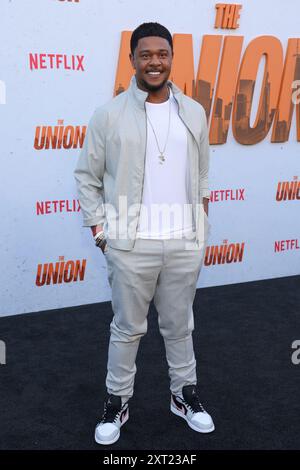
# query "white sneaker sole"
(191, 425)
(112, 441)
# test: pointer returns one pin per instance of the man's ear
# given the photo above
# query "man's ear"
(131, 58)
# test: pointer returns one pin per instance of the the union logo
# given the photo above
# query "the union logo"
(225, 81)
(59, 136)
(288, 190)
(225, 253)
(60, 272)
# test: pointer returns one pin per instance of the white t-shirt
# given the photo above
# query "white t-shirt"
(166, 209)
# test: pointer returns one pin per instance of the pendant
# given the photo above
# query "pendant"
(162, 158)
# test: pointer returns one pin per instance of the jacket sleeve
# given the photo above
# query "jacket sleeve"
(89, 171)
(204, 159)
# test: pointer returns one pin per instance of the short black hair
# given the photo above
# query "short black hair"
(149, 29)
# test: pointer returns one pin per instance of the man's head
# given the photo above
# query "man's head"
(151, 55)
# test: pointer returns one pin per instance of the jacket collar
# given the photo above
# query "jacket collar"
(140, 96)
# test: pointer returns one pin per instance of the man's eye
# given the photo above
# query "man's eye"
(145, 56)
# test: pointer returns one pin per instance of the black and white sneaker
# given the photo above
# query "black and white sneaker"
(114, 416)
(189, 408)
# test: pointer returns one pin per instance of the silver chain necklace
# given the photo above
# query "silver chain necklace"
(161, 156)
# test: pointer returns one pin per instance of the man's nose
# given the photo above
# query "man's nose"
(155, 60)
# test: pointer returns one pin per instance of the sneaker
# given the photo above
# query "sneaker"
(114, 416)
(189, 408)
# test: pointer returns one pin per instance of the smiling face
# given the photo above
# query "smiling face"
(152, 61)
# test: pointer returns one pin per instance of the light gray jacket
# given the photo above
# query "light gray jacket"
(111, 164)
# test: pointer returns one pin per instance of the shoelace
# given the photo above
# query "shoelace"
(110, 414)
(195, 405)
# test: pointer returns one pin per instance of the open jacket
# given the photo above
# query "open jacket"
(110, 168)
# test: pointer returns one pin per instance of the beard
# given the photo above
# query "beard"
(152, 88)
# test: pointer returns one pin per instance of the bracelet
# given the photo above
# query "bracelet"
(99, 235)
(102, 245)
(100, 242)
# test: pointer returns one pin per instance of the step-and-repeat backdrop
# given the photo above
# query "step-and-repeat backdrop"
(60, 59)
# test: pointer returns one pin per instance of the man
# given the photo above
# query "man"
(145, 149)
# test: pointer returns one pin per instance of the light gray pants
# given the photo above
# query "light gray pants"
(166, 271)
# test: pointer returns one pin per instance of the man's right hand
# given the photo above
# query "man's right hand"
(96, 229)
